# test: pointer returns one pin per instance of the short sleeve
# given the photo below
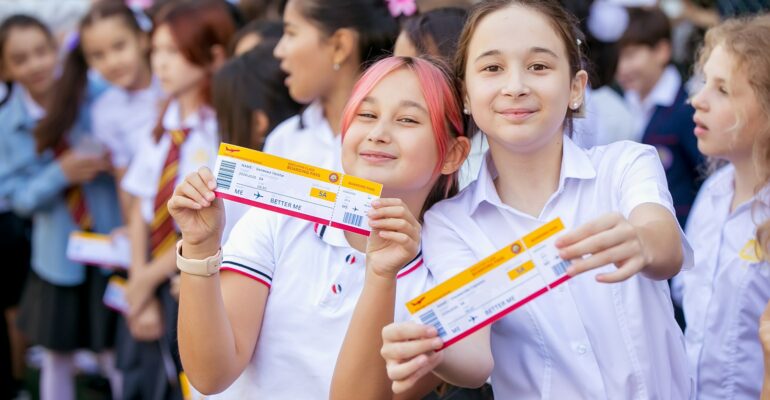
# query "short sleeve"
(107, 132)
(143, 172)
(444, 250)
(643, 180)
(249, 250)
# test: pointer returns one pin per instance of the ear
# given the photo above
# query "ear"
(218, 57)
(259, 124)
(344, 42)
(578, 92)
(458, 152)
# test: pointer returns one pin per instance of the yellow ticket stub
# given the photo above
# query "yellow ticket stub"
(493, 287)
(292, 188)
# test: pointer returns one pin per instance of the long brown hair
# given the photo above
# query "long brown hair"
(69, 90)
(196, 27)
(564, 23)
(748, 41)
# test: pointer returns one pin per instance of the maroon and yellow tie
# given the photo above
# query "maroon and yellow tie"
(162, 232)
(76, 199)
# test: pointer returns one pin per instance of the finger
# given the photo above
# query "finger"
(394, 211)
(192, 193)
(386, 202)
(392, 224)
(397, 237)
(197, 181)
(402, 331)
(602, 223)
(411, 349)
(179, 203)
(208, 177)
(627, 270)
(615, 255)
(431, 361)
(592, 244)
(400, 371)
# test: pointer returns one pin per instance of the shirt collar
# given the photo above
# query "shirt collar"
(575, 164)
(34, 110)
(172, 119)
(336, 237)
(724, 185)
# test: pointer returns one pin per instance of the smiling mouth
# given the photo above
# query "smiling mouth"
(376, 156)
(516, 114)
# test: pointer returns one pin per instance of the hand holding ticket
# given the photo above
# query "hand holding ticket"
(299, 190)
(493, 287)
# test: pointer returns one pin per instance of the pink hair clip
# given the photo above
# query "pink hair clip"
(398, 8)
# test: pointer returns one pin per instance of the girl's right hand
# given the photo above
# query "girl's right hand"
(198, 213)
(81, 168)
(409, 350)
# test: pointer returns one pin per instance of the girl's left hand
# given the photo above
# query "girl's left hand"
(609, 239)
(395, 237)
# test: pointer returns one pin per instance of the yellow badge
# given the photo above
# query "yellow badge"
(751, 252)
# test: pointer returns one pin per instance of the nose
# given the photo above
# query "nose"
(698, 101)
(279, 51)
(515, 84)
(379, 133)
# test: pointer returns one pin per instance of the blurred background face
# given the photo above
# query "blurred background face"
(306, 56)
(175, 73)
(640, 67)
(116, 52)
(29, 59)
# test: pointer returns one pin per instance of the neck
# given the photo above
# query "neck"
(647, 90)
(527, 179)
(143, 81)
(414, 202)
(334, 103)
(189, 102)
(40, 97)
(747, 180)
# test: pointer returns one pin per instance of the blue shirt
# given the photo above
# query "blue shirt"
(34, 186)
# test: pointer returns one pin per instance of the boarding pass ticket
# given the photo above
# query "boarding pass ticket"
(299, 190)
(99, 249)
(493, 287)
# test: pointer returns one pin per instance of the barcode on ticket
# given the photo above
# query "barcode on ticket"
(352, 219)
(560, 268)
(225, 175)
(430, 318)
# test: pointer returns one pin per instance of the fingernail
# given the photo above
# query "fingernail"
(376, 203)
(437, 343)
(571, 271)
(431, 331)
(212, 185)
(210, 196)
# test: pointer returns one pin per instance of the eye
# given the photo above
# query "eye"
(538, 67)
(408, 120)
(723, 89)
(366, 115)
(492, 68)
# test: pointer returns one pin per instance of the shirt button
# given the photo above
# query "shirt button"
(580, 348)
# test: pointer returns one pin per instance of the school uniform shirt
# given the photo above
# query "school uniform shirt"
(34, 186)
(198, 150)
(583, 339)
(667, 124)
(307, 138)
(122, 119)
(315, 279)
(726, 292)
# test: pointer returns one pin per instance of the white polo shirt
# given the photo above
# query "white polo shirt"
(726, 292)
(121, 120)
(306, 138)
(315, 280)
(199, 149)
(585, 339)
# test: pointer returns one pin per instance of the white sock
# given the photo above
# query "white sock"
(107, 364)
(57, 376)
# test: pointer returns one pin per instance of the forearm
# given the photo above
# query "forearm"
(360, 371)
(161, 267)
(137, 234)
(664, 248)
(766, 384)
(207, 343)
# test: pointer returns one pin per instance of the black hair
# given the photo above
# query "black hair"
(253, 81)
(647, 26)
(436, 31)
(265, 29)
(69, 90)
(377, 29)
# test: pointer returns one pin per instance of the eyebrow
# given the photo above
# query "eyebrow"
(403, 103)
(535, 50)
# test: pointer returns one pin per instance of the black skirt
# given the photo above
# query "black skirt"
(67, 318)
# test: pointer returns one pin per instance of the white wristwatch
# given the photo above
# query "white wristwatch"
(206, 267)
